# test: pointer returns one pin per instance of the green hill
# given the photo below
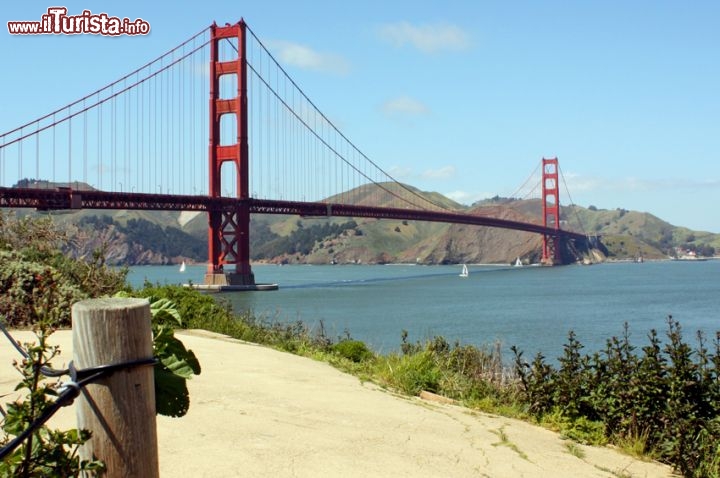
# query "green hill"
(162, 237)
(630, 233)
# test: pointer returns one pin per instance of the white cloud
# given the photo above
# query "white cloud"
(446, 172)
(404, 105)
(306, 58)
(426, 38)
(465, 197)
(401, 172)
(579, 183)
(406, 173)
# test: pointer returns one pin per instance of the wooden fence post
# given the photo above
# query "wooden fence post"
(119, 409)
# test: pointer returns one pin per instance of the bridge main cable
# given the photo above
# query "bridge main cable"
(325, 143)
(97, 92)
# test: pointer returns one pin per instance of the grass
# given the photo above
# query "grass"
(634, 445)
(617, 473)
(575, 450)
(581, 430)
(504, 441)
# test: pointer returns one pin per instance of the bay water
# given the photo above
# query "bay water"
(533, 308)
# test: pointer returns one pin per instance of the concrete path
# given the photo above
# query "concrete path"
(257, 412)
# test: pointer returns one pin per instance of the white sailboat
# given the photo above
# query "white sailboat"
(464, 272)
(182, 266)
(518, 262)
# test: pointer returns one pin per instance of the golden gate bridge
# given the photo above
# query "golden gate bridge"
(217, 125)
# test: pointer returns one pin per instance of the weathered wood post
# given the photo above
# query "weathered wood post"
(118, 409)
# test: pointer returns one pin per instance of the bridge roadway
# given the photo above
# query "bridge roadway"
(67, 198)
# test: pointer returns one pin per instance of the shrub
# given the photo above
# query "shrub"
(30, 254)
(24, 285)
(45, 451)
(664, 400)
(353, 350)
(410, 374)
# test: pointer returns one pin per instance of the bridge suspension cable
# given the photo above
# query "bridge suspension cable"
(532, 177)
(123, 136)
(530, 189)
(345, 183)
(572, 203)
(147, 132)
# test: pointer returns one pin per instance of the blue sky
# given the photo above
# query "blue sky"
(459, 97)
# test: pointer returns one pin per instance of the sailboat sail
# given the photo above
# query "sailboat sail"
(182, 267)
(464, 272)
(518, 262)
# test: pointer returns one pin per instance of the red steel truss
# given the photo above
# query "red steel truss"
(66, 198)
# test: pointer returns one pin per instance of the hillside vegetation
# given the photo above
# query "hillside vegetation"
(154, 237)
(631, 233)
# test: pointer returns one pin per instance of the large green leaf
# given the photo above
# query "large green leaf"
(171, 394)
(163, 310)
(179, 360)
(176, 363)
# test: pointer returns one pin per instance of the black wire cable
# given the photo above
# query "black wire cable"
(47, 371)
(70, 390)
(65, 398)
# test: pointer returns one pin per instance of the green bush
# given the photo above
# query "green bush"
(665, 399)
(410, 374)
(353, 350)
(23, 288)
(30, 256)
(196, 310)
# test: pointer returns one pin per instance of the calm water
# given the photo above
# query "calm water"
(531, 307)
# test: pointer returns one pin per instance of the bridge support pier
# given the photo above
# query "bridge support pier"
(231, 279)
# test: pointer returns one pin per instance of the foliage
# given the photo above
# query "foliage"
(29, 251)
(665, 398)
(91, 275)
(37, 288)
(580, 429)
(193, 308)
(266, 244)
(353, 350)
(261, 240)
(168, 241)
(463, 372)
(33, 237)
(22, 291)
(176, 364)
(411, 374)
(46, 453)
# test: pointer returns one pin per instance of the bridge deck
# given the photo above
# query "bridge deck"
(66, 198)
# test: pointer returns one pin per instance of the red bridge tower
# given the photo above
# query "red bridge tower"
(550, 210)
(229, 232)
